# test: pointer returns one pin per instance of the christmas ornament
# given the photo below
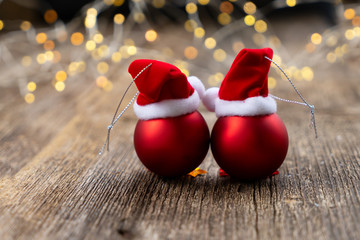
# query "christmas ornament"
(249, 140)
(171, 137)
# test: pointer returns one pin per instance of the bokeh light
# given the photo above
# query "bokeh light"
(249, 8)
(210, 43)
(224, 18)
(291, 3)
(77, 38)
(191, 8)
(50, 16)
(31, 86)
(29, 98)
(190, 52)
(249, 20)
(60, 76)
(349, 13)
(25, 25)
(151, 35)
(41, 38)
(316, 38)
(59, 86)
(219, 55)
(119, 18)
(260, 26)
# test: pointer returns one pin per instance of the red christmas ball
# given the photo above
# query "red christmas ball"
(249, 148)
(172, 146)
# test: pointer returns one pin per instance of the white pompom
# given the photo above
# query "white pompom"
(209, 98)
(197, 85)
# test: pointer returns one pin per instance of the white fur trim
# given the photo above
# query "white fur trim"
(209, 98)
(197, 85)
(253, 106)
(168, 108)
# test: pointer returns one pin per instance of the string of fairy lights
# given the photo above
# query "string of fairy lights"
(62, 52)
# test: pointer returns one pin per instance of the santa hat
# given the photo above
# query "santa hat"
(164, 90)
(244, 90)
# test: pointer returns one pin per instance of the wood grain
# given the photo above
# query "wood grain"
(54, 186)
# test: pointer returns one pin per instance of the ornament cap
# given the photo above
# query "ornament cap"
(164, 91)
(244, 90)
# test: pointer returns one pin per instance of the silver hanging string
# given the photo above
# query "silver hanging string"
(305, 103)
(115, 119)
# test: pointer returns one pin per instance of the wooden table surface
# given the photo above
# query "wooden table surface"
(53, 185)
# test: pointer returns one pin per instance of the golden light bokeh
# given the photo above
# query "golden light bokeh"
(350, 34)
(29, 98)
(118, 3)
(331, 41)
(260, 26)
(108, 86)
(101, 81)
(190, 25)
(131, 50)
(31, 86)
(139, 17)
(119, 18)
(210, 43)
(249, 8)
(109, 2)
(1, 25)
(90, 21)
(190, 52)
(219, 55)
(25, 25)
(116, 57)
(259, 39)
(199, 32)
(316, 38)
(50, 16)
(26, 61)
(60, 76)
(49, 55)
(356, 21)
(349, 13)
(41, 37)
(158, 3)
(91, 11)
(275, 41)
(224, 18)
(331, 57)
(41, 58)
(249, 20)
(49, 45)
(90, 45)
(59, 86)
(151, 35)
(77, 38)
(203, 2)
(191, 8)
(226, 7)
(237, 46)
(291, 3)
(102, 67)
(307, 73)
(98, 38)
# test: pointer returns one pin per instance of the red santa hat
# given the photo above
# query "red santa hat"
(244, 90)
(164, 90)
